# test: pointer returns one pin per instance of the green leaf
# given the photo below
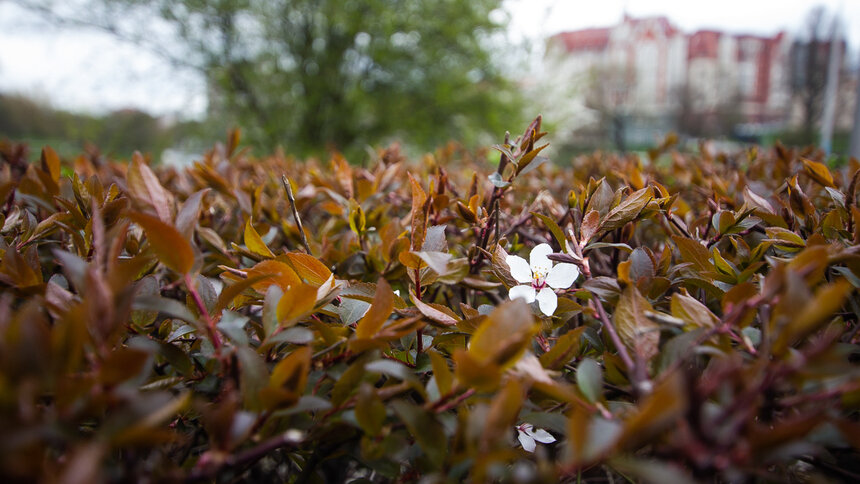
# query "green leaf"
(555, 229)
(589, 379)
(233, 325)
(253, 376)
(169, 307)
(426, 430)
(369, 410)
(396, 370)
(497, 181)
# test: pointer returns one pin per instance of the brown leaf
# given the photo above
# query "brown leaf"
(503, 413)
(627, 210)
(692, 311)
(288, 379)
(419, 215)
(144, 186)
(826, 301)
(281, 274)
(171, 248)
(504, 335)
(565, 349)
(297, 301)
(436, 314)
(818, 172)
(254, 242)
(188, 215)
(380, 309)
(695, 253)
(657, 412)
(309, 268)
(590, 224)
(638, 333)
(51, 164)
(441, 372)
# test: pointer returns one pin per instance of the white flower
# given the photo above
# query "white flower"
(528, 435)
(538, 278)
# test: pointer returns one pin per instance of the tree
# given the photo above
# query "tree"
(610, 94)
(809, 55)
(315, 74)
(700, 115)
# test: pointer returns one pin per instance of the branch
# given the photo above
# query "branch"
(290, 438)
(292, 200)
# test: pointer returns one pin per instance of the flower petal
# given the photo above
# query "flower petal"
(538, 259)
(542, 436)
(526, 440)
(526, 293)
(547, 300)
(520, 269)
(562, 276)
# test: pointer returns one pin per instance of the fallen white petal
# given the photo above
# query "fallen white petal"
(547, 300)
(526, 293)
(562, 276)
(538, 259)
(542, 436)
(527, 441)
(520, 269)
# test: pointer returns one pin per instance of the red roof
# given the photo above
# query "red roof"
(704, 43)
(587, 39)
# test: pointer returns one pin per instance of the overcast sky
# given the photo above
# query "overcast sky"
(91, 71)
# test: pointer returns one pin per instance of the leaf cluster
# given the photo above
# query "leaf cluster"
(178, 325)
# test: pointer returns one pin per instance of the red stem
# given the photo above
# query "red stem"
(198, 301)
(419, 334)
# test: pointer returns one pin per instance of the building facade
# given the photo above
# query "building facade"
(655, 75)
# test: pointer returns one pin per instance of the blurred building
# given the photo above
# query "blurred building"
(644, 76)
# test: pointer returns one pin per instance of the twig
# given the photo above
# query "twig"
(616, 340)
(442, 406)
(198, 301)
(287, 439)
(638, 372)
(292, 200)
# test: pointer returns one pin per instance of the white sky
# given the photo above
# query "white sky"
(91, 71)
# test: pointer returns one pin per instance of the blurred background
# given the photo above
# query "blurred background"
(171, 76)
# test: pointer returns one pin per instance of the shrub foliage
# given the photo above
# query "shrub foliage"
(177, 325)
